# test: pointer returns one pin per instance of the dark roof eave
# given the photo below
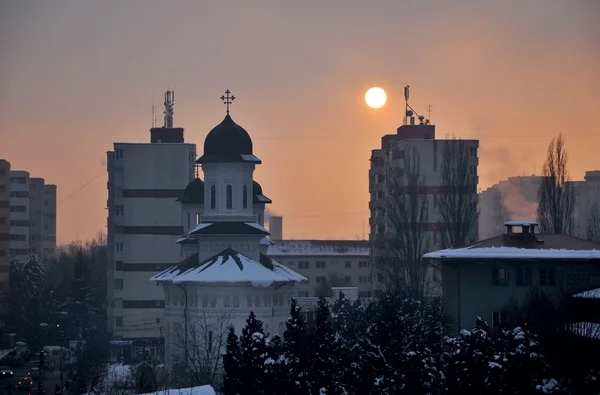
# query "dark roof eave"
(220, 158)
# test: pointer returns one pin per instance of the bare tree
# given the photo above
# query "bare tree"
(593, 224)
(458, 201)
(556, 196)
(406, 235)
(332, 280)
(207, 335)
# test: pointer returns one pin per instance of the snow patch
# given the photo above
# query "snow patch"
(512, 253)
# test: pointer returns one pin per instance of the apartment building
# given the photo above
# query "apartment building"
(4, 232)
(512, 199)
(144, 221)
(19, 214)
(587, 194)
(326, 264)
(42, 218)
(417, 139)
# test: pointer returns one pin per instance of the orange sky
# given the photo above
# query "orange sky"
(77, 76)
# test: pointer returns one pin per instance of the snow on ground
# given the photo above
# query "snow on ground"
(117, 375)
(201, 390)
(512, 253)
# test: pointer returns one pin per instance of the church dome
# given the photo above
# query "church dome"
(194, 192)
(227, 142)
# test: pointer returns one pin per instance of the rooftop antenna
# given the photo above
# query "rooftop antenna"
(429, 112)
(153, 111)
(407, 108)
(169, 103)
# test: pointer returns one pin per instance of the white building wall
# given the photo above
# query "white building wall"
(144, 221)
(19, 214)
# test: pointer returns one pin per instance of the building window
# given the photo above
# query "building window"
(249, 300)
(229, 196)
(500, 276)
(188, 220)
(197, 219)
(380, 228)
(118, 284)
(119, 246)
(348, 264)
(303, 294)
(364, 279)
(118, 322)
(118, 154)
(380, 277)
(524, 276)
(281, 328)
(347, 280)
(227, 301)
(303, 265)
(236, 301)
(473, 151)
(213, 302)
(321, 279)
(245, 196)
(363, 264)
(498, 319)
(213, 197)
(119, 210)
(320, 264)
(118, 303)
(548, 277)
(256, 300)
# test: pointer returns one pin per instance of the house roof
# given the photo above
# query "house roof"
(229, 228)
(228, 266)
(319, 248)
(506, 246)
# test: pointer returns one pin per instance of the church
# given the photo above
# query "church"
(225, 273)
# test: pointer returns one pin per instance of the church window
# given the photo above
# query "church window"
(281, 299)
(213, 302)
(213, 197)
(267, 328)
(204, 301)
(249, 300)
(227, 301)
(274, 299)
(245, 196)
(236, 301)
(229, 195)
(257, 300)
(197, 219)
(188, 216)
(281, 327)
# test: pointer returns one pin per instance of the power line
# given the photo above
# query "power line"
(80, 188)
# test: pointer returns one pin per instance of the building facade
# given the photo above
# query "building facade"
(4, 232)
(144, 220)
(326, 264)
(42, 218)
(419, 141)
(506, 268)
(225, 273)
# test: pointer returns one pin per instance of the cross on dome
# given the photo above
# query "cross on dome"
(227, 99)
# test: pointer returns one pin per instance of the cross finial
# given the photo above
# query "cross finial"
(227, 99)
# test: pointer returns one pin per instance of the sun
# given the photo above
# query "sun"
(375, 97)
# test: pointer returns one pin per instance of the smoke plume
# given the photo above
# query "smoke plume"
(516, 204)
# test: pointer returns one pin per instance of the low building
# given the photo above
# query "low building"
(326, 264)
(483, 279)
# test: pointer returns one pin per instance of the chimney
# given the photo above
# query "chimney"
(276, 228)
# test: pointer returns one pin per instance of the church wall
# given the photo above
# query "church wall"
(191, 215)
(222, 306)
(222, 175)
(259, 213)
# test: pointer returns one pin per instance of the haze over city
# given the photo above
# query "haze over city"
(76, 77)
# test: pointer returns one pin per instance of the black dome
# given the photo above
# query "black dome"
(194, 192)
(226, 142)
(256, 188)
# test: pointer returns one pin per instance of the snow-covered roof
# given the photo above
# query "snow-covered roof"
(589, 294)
(585, 329)
(319, 248)
(229, 266)
(512, 253)
(265, 241)
(229, 228)
(520, 223)
(200, 390)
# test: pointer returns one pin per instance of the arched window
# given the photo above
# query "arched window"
(229, 194)
(213, 197)
(188, 215)
(197, 219)
(245, 196)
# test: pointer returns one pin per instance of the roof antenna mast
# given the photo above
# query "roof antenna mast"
(169, 103)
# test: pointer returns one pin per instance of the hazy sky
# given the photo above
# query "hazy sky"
(76, 76)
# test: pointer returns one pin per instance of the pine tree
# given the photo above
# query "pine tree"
(296, 351)
(253, 354)
(231, 364)
(277, 374)
(468, 358)
(325, 364)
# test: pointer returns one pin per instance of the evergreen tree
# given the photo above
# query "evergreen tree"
(232, 384)
(295, 349)
(325, 364)
(468, 360)
(277, 374)
(253, 354)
